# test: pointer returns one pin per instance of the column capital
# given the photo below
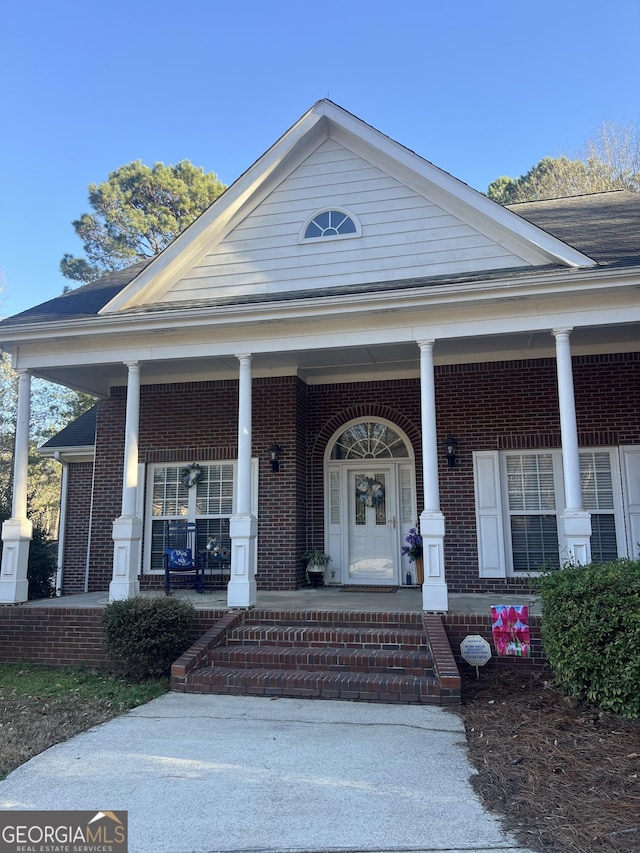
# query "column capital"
(244, 356)
(563, 331)
(426, 343)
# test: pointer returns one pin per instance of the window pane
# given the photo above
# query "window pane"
(169, 496)
(596, 480)
(335, 497)
(534, 540)
(530, 483)
(215, 490)
(369, 440)
(604, 546)
(157, 545)
(312, 231)
(329, 223)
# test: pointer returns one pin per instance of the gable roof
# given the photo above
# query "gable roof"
(527, 245)
(582, 231)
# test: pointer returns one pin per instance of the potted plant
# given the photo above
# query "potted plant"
(414, 551)
(318, 563)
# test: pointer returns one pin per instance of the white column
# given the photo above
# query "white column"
(435, 594)
(575, 521)
(243, 526)
(17, 530)
(127, 529)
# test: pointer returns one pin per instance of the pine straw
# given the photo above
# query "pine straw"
(563, 777)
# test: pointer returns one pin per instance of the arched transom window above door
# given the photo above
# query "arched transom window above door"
(369, 440)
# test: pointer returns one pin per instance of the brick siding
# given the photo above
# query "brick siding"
(497, 405)
(67, 636)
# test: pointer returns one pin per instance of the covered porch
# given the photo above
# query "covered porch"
(403, 599)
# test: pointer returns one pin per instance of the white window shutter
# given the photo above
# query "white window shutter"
(631, 474)
(491, 547)
(140, 507)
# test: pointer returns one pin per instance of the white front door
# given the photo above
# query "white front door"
(373, 548)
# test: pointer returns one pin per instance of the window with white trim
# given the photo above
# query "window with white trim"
(534, 500)
(331, 223)
(209, 504)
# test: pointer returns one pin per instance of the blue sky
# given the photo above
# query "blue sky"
(479, 89)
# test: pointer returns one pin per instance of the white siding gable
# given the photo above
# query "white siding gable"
(404, 235)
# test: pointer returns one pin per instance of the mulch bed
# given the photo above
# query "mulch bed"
(563, 777)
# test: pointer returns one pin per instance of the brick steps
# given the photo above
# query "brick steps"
(323, 658)
(372, 657)
(391, 639)
(316, 684)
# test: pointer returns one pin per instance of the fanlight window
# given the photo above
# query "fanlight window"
(369, 440)
(330, 223)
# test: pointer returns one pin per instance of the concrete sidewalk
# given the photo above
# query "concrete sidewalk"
(204, 774)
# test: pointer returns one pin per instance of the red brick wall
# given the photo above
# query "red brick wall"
(460, 625)
(61, 636)
(67, 636)
(76, 537)
(499, 405)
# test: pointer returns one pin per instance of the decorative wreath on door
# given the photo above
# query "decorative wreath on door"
(370, 492)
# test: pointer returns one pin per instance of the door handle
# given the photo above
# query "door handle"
(393, 522)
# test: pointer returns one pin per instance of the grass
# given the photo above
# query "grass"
(40, 706)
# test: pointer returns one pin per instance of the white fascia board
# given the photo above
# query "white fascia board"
(415, 319)
(222, 216)
(85, 453)
(487, 216)
(115, 332)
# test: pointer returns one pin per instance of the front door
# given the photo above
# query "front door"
(373, 537)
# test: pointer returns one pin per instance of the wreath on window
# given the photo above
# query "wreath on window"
(370, 492)
(191, 475)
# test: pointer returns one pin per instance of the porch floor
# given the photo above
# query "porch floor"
(404, 600)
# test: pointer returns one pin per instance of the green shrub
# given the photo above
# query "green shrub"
(146, 635)
(41, 570)
(591, 632)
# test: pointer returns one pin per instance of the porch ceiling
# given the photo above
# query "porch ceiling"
(349, 363)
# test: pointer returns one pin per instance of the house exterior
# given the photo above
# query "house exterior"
(309, 346)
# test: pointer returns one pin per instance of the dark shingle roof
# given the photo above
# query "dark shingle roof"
(604, 226)
(80, 302)
(79, 433)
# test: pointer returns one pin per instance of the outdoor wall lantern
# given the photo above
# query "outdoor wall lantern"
(274, 456)
(450, 449)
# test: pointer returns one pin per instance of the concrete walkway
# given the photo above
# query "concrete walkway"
(211, 774)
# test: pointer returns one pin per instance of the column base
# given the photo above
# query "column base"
(435, 594)
(576, 528)
(127, 539)
(16, 539)
(242, 588)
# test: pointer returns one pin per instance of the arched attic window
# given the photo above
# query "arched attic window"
(329, 224)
